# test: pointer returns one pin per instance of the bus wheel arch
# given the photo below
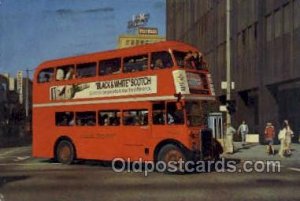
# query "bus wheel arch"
(167, 142)
(64, 150)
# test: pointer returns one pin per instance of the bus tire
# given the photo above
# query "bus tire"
(65, 153)
(170, 153)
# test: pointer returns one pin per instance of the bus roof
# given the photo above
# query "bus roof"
(116, 53)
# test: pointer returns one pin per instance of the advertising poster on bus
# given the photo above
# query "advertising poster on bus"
(118, 87)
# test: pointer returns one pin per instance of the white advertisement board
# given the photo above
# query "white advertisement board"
(111, 88)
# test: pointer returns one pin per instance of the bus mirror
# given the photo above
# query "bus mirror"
(178, 96)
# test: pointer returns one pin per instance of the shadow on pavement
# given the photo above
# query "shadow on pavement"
(8, 179)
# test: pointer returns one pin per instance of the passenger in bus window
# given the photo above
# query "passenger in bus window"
(175, 116)
(46, 78)
(158, 64)
(60, 74)
(158, 118)
(189, 60)
(199, 61)
(70, 74)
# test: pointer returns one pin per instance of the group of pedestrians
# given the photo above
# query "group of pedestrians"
(285, 137)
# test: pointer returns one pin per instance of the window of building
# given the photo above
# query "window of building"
(86, 70)
(109, 118)
(286, 18)
(86, 118)
(65, 72)
(278, 23)
(46, 75)
(127, 42)
(135, 117)
(269, 27)
(136, 63)
(160, 60)
(159, 113)
(296, 14)
(132, 42)
(64, 118)
(175, 115)
(110, 66)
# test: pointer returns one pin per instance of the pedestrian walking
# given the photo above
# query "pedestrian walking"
(230, 131)
(285, 137)
(243, 130)
(269, 137)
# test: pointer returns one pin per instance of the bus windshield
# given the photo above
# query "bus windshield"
(195, 113)
(190, 60)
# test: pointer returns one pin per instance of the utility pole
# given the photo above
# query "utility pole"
(228, 57)
(27, 94)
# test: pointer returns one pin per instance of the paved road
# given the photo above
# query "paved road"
(23, 178)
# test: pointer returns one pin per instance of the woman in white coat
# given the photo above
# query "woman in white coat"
(285, 137)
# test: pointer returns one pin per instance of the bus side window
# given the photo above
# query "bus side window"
(111, 66)
(136, 63)
(86, 70)
(64, 118)
(46, 75)
(65, 72)
(174, 115)
(158, 113)
(135, 117)
(161, 60)
(109, 118)
(86, 118)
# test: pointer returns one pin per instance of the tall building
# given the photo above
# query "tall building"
(265, 38)
(12, 104)
(143, 35)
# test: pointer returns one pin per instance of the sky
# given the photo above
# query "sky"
(32, 31)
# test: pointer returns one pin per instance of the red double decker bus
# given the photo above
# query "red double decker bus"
(146, 102)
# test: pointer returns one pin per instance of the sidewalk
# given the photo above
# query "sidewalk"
(258, 152)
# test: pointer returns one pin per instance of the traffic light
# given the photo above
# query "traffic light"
(231, 106)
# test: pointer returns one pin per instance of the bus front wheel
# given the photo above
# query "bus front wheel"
(171, 154)
(65, 152)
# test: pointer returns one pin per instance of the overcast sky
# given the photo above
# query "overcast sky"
(32, 31)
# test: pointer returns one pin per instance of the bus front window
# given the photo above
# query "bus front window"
(195, 114)
(190, 60)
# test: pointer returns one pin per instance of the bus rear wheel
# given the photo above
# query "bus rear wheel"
(65, 152)
(171, 154)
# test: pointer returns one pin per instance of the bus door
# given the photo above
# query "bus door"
(136, 133)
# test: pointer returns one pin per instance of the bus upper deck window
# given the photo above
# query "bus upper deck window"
(46, 75)
(65, 72)
(135, 63)
(86, 70)
(161, 60)
(111, 66)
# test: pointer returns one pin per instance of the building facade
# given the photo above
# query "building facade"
(265, 54)
(13, 120)
(142, 35)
